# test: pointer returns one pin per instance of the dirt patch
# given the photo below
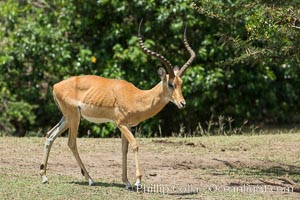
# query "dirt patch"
(201, 162)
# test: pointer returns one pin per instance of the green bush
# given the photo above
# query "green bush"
(246, 66)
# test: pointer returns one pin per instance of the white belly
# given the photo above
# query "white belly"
(97, 120)
(86, 108)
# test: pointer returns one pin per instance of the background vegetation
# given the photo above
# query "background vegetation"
(247, 65)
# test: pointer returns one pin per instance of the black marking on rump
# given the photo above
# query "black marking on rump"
(82, 172)
(79, 109)
(42, 166)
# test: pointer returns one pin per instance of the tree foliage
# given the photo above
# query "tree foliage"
(260, 58)
(247, 63)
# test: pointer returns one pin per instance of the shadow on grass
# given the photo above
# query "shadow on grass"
(134, 189)
(183, 194)
(280, 171)
(271, 170)
(98, 184)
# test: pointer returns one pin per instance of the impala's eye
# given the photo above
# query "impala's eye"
(171, 85)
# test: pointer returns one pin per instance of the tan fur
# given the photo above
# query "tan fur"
(101, 100)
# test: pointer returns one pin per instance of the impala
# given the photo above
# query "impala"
(102, 100)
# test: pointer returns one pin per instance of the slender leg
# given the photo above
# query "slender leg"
(124, 162)
(57, 130)
(73, 124)
(130, 138)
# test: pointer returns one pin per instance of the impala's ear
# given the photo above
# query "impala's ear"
(176, 70)
(162, 73)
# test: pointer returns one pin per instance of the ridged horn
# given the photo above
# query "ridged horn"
(157, 55)
(190, 50)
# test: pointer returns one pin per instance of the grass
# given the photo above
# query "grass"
(64, 187)
(212, 167)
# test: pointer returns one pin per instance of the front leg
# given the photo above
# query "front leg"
(126, 133)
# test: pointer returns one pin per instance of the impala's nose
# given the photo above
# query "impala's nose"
(181, 104)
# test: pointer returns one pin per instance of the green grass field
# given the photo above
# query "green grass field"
(215, 167)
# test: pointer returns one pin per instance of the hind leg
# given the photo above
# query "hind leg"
(73, 123)
(57, 130)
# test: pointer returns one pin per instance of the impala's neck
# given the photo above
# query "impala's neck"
(150, 102)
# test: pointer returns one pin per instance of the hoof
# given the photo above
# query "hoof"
(138, 184)
(45, 180)
(128, 186)
(91, 182)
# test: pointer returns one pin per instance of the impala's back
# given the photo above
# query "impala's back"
(98, 99)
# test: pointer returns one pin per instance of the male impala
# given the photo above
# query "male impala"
(101, 100)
